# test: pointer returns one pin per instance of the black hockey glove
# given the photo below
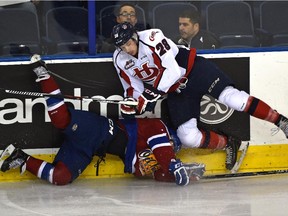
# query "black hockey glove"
(147, 101)
(128, 111)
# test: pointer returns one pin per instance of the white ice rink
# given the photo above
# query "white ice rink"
(245, 196)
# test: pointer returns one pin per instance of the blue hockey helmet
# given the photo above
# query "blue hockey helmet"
(122, 33)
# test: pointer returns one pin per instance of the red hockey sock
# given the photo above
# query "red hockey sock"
(57, 109)
(60, 117)
(33, 165)
(49, 85)
(212, 140)
(58, 174)
(261, 110)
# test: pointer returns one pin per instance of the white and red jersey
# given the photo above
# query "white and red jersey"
(159, 63)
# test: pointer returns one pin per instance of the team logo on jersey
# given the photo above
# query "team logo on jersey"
(146, 73)
(74, 127)
(213, 85)
(213, 112)
(130, 63)
(143, 57)
(152, 36)
(147, 162)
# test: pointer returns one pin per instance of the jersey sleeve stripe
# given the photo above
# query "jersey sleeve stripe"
(158, 140)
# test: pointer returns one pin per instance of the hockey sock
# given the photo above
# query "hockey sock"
(57, 109)
(261, 110)
(212, 140)
(58, 175)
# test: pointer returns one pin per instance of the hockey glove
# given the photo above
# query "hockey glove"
(195, 170)
(178, 170)
(147, 101)
(127, 110)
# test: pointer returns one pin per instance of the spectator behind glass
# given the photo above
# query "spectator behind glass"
(125, 13)
(192, 35)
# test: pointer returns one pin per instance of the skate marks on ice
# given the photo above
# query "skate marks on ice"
(249, 196)
(83, 197)
(9, 205)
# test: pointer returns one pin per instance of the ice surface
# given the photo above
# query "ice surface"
(245, 196)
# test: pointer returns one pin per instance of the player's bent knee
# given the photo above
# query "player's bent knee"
(189, 135)
(61, 174)
(192, 140)
(234, 98)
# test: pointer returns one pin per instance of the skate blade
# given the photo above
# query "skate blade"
(243, 149)
(8, 151)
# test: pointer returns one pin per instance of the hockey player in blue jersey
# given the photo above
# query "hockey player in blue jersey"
(144, 145)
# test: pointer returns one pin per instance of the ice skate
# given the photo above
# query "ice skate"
(195, 170)
(7, 152)
(178, 170)
(282, 124)
(243, 150)
(39, 67)
(233, 144)
(16, 158)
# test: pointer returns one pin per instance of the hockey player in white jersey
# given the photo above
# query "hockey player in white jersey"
(150, 65)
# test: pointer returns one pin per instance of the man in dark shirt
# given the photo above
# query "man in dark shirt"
(191, 35)
(125, 13)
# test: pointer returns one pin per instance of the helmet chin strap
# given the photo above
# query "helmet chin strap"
(135, 37)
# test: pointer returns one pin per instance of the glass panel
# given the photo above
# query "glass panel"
(44, 27)
(62, 27)
(206, 25)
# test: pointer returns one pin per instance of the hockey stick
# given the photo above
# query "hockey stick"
(39, 94)
(229, 175)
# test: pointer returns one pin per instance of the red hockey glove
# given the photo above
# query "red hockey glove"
(127, 110)
(147, 101)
